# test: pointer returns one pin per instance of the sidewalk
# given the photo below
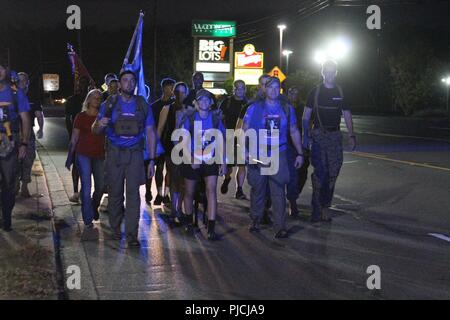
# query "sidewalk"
(27, 255)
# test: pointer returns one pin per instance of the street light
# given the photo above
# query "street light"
(336, 50)
(446, 82)
(281, 27)
(287, 53)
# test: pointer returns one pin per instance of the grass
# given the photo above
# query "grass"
(27, 273)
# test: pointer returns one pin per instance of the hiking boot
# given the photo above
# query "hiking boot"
(89, 233)
(211, 232)
(224, 187)
(254, 226)
(158, 200)
(148, 198)
(240, 194)
(133, 242)
(75, 197)
(24, 191)
(293, 209)
(282, 234)
(266, 219)
(166, 201)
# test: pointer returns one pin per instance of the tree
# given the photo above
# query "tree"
(302, 79)
(413, 71)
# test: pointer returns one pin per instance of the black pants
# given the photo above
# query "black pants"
(8, 171)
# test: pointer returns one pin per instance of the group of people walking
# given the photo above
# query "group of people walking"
(122, 141)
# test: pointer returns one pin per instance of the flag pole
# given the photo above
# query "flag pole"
(125, 61)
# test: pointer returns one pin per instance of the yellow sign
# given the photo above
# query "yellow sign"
(276, 72)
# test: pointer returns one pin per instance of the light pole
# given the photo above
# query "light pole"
(287, 53)
(281, 27)
(446, 82)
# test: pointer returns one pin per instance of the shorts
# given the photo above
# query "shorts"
(205, 170)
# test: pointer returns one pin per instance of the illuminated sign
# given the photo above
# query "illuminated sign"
(249, 58)
(202, 28)
(50, 81)
(212, 67)
(210, 50)
(276, 72)
(249, 76)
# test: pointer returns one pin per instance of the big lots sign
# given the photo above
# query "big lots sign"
(249, 58)
(210, 50)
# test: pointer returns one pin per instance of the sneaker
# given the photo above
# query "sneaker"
(266, 219)
(254, 227)
(7, 229)
(148, 198)
(89, 233)
(166, 201)
(224, 187)
(158, 200)
(282, 234)
(116, 235)
(133, 243)
(212, 236)
(325, 217)
(75, 197)
(24, 192)
(240, 194)
(293, 209)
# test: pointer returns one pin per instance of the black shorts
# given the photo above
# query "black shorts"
(205, 170)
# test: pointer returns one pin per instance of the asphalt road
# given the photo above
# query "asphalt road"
(391, 209)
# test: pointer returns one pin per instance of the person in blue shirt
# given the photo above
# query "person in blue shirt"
(127, 120)
(203, 164)
(273, 119)
(15, 110)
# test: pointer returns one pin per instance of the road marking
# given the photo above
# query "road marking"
(440, 236)
(385, 158)
(349, 162)
(400, 136)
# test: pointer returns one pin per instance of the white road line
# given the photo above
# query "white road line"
(349, 162)
(440, 236)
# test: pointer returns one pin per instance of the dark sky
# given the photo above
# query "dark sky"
(107, 26)
(116, 14)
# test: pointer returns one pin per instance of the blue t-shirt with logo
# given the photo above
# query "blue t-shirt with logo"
(207, 124)
(127, 108)
(7, 96)
(260, 116)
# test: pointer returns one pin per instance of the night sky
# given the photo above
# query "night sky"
(107, 27)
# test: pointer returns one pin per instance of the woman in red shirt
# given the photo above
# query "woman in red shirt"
(90, 154)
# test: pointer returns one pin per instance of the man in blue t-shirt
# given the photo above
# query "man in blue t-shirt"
(127, 120)
(273, 119)
(14, 136)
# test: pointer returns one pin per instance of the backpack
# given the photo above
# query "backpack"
(190, 114)
(316, 102)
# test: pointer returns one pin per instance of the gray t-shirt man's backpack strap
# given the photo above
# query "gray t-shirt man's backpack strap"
(316, 104)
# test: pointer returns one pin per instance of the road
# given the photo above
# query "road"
(391, 209)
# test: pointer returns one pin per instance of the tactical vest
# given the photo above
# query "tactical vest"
(127, 125)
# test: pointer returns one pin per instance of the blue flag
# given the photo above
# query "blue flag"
(136, 64)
